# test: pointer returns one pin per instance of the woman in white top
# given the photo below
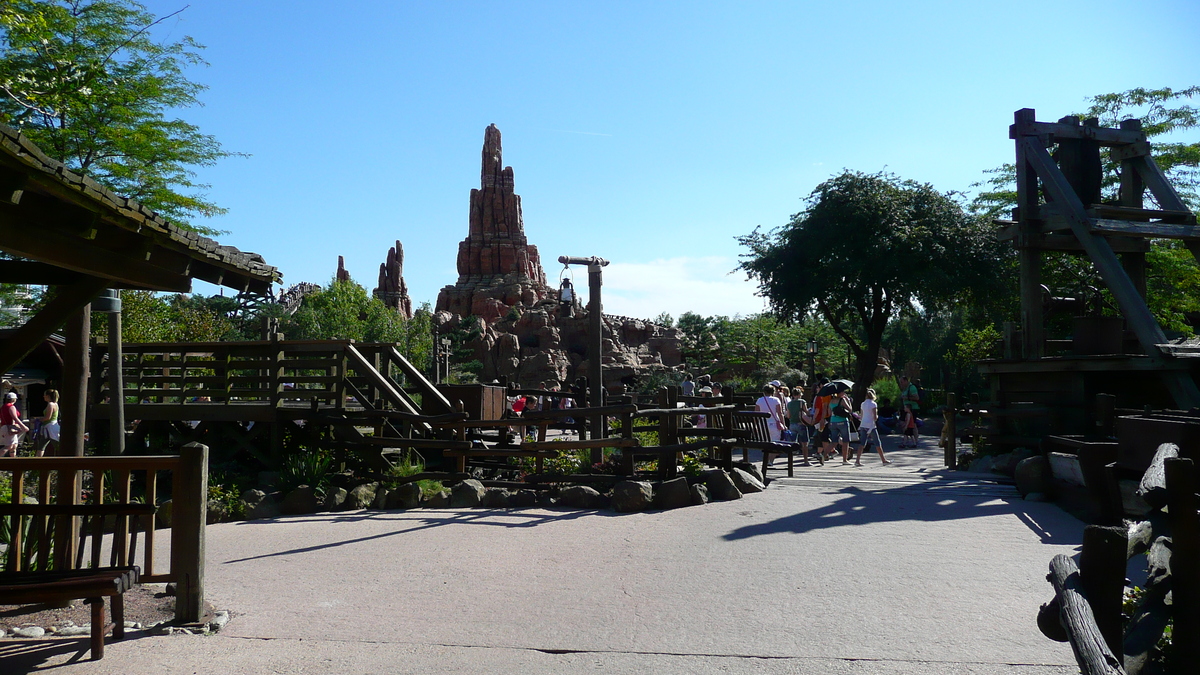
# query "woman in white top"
(769, 404)
(868, 431)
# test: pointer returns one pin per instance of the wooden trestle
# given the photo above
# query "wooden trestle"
(1059, 209)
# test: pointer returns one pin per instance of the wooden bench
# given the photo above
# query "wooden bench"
(37, 572)
(759, 438)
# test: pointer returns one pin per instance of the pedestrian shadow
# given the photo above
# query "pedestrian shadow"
(425, 519)
(929, 503)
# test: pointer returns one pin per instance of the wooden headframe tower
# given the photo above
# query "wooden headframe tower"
(1060, 209)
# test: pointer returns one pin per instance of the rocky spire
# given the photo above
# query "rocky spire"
(495, 261)
(391, 289)
(342, 274)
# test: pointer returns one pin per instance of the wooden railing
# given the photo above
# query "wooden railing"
(51, 541)
(268, 373)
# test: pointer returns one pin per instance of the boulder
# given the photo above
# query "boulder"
(752, 469)
(1004, 464)
(216, 512)
(466, 494)
(632, 495)
(381, 495)
(1036, 497)
(523, 498)
(406, 496)
(267, 508)
(361, 497)
(1033, 475)
(983, 464)
(438, 500)
(252, 498)
(745, 482)
(495, 498)
(300, 501)
(721, 487)
(673, 494)
(335, 497)
(699, 494)
(580, 497)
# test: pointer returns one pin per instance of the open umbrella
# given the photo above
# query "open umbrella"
(835, 387)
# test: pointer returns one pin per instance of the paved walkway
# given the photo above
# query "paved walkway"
(899, 569)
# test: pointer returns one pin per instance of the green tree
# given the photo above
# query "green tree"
(866, 246)
(87, 82)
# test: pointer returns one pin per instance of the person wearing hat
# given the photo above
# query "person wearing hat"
(701, 421)
(11, 426)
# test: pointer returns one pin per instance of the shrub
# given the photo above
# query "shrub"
(312, 468)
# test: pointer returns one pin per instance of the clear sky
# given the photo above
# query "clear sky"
(649, 133)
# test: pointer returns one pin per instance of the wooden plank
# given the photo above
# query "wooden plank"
(1133, 213)
(190, 497)
(429, 392)
(584, 444)
(96, 463)
(1138, 229)
(50, 318)
(1103, 136)
(385, 385)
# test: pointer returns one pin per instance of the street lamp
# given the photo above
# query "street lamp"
(595, 358)
(812, 365)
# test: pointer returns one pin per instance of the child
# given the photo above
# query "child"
(910, 427)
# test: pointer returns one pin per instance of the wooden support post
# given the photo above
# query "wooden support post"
(1185, 565)
(950, 432)
(1091, 651)
(73, 400)
(189, 511)
(116, 386)
(1102, 577)
(1030, 259)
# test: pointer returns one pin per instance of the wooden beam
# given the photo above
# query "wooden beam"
(1101, 135)
(69, 300)
(34, 272)
(1137, 229)
(82, 255)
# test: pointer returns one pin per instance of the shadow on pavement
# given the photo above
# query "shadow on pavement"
(32, 655)
(507, 518)
(925, 503)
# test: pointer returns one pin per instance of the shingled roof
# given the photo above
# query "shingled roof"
(51, 214)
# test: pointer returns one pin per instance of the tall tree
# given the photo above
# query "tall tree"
(866, 246)
(87, 81)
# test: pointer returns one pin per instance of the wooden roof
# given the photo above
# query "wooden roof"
(72, 226)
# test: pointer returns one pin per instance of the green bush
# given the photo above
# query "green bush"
(312, 468)
(887, 392)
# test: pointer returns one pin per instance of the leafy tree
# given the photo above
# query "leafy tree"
(866, 246)
(147, 316)
(87, 82)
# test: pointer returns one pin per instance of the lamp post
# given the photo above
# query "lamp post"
(595, 357)
(109, 303)
(443, 360)
(812, 365)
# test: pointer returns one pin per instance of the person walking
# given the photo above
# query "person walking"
(49, 430)
(910, 397)
(11, 426)
(868, 431)
(769, 404)
(839, 425)
(798, 419)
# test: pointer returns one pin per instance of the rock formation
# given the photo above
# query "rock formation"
(391, 289)
(497, 266)
(342, 274)
(516, 326)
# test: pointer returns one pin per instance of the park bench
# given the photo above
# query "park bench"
(759, 438)
(35, 572)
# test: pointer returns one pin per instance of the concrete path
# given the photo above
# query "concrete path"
(898, 569)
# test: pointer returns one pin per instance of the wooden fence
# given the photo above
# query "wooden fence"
(95, 481)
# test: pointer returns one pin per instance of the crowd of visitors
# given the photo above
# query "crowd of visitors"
(831, 426)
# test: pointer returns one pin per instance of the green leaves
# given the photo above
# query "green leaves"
(87, 82)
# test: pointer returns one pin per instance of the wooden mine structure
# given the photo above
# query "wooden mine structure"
(1036, 391)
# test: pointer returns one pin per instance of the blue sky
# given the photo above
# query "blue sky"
(649, 133)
